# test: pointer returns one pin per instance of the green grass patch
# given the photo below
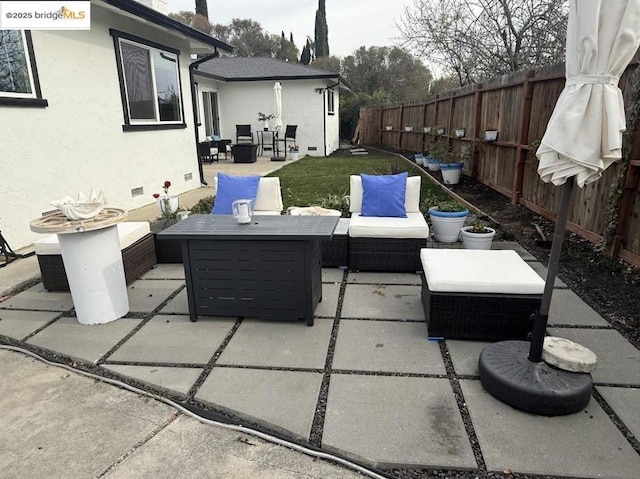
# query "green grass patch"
(311, 180)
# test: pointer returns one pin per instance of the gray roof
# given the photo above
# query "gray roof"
(255, 68)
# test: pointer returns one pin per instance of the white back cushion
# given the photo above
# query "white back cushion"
(269, 196)
(411, 200)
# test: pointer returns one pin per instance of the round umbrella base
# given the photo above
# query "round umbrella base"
(539, 388)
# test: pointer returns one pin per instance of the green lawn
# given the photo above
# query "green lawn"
(310, 180)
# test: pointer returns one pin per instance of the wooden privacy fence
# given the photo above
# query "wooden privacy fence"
(519, 107)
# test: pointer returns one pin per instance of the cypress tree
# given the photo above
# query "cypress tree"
(201, 8)
(321, 31)
(305, 57)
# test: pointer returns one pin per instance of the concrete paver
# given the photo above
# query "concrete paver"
(626, 404)
(88, 343)
(145, 296)
(332, 275)
(290, 344)
(618, 360)
(259, 395)
(328, 307)
(381, 301)
(175, 380)
(165, 271)
(464, 355)
(568, 309)
(36, 298)
(585, 444)
(18, 324)
(179, 304)
(396, 422)
(386, 346)
(174, 339)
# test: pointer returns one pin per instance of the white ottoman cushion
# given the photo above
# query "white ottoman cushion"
(479, 271)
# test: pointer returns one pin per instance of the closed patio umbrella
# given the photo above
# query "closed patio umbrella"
(582, 139)
(277, 106)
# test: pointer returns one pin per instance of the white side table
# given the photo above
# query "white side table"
(91, 255)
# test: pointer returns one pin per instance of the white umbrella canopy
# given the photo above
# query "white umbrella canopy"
(584, 134)
(277, 105)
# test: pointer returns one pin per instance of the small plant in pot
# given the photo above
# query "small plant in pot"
(451, 169)
(430, 156)
(447, 219)
(477, 236)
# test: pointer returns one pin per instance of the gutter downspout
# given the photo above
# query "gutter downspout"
(194, 106)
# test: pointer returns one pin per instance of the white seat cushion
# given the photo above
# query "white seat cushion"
(413, 226)
(479, 271)
(268, 198)
(128, 232)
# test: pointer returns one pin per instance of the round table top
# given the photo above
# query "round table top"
(59, 223)
(313, 211)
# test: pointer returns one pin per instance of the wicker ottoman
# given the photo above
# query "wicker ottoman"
(479, 295)
(335, 252)
(136, 243)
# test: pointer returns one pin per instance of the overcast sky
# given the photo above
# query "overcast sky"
(352, 23)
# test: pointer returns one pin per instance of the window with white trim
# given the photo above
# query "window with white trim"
(151, 84)
(18, 73)
(330, 102)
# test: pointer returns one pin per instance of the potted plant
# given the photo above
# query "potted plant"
(439, 130)
(167, 204)
(450, 168)
(459, 132)
(420, 159)
(427, 129)
(294, 152)
(431, 152)
(477, 236)
(447, 219)
(388, 127)
(264, 118)
(408, 128)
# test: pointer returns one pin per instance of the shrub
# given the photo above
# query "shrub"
(336, 201)
(203, 207)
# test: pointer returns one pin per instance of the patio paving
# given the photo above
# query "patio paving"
(364, 382)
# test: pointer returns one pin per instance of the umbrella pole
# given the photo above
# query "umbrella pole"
(541, 317)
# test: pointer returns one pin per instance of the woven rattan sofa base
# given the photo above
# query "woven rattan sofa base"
(385, 254)
(137, 258)
(335, 252)
(478, 316)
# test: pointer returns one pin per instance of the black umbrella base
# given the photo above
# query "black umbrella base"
(539, 388)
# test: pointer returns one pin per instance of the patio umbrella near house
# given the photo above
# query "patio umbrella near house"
(277, 106)
(582, 139)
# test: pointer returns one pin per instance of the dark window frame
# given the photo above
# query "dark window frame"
(128, 125)
(37, 100)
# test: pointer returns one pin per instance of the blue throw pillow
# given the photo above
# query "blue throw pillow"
(384, 195)
(215, 138)
(232, 188)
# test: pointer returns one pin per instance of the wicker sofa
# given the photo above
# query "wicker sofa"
(387, 243)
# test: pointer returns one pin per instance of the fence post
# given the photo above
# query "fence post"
(523, 139)
(477, 117)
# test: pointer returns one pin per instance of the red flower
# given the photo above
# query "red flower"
(156, 195)
(167, 184)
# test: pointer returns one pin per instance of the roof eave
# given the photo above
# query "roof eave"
(199, 42)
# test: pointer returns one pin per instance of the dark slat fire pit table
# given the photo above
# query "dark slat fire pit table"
(269, 268)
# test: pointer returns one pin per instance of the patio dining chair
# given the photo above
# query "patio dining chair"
(206, 152)
(289, 136)
(244, 134)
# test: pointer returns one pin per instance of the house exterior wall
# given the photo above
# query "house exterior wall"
(240, 102)
(77, 142)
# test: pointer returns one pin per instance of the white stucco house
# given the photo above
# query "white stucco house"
(233, 90)
(108, 108)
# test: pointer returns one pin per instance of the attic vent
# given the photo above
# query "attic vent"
(312, 148)
(188, 177)
(137, 192)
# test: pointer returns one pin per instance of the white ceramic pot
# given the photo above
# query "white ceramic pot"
(476, 240)
(446, 226)
(173, 203)
(433, 165)
(451, 173)
(294, 155)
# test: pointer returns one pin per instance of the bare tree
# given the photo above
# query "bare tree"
(476, 39)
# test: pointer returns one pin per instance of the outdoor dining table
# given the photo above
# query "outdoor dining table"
(268, 269)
